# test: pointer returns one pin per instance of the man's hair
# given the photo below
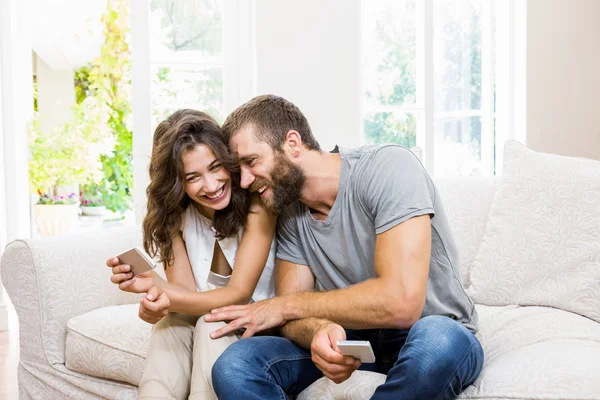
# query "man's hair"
(272, 117)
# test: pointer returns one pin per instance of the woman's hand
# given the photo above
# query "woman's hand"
(122, 276)
(154, 305)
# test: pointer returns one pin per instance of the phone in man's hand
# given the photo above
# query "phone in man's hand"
(360, 349)
(139, 261)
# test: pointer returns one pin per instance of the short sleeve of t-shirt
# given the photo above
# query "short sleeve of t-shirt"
(288, 239)
(396, 187)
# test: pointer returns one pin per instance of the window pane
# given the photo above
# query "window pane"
(389, 59)
(457, 150)
(192, 28)
(457, 55)
(179, 87)
(391, 127)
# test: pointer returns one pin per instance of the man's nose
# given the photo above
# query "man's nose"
(247, 178)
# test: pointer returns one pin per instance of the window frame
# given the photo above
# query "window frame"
(503, 61)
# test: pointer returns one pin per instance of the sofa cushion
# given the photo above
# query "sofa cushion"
(467, 201)
(537, 353)
(530, 353)
(109, 342)
(541, 245)
(360, 386)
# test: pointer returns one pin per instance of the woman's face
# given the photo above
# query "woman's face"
(207, 182)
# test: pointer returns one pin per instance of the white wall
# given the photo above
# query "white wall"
(563, 77)
(56, 93)
(308, 52)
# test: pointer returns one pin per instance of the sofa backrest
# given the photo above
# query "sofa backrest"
(467, 201)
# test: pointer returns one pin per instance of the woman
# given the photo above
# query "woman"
(215, 242)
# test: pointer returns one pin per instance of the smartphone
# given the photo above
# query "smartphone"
(139, 261)
(360, 349)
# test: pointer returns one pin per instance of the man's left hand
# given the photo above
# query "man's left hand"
(253, 317)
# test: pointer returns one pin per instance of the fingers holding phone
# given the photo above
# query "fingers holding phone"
(120, 272)
(132, 271)
(328, 358)
(154, 305)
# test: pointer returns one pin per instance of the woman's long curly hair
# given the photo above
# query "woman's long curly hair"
(167, 199)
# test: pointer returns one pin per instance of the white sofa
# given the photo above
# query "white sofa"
(530, 258)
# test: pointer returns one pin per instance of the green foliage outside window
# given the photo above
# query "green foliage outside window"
(395, 82)
(69, 152)
(108, 80)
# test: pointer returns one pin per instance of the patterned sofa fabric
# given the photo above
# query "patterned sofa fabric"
(541, 245)
(467, 201)
(109, 343)
(49, 281)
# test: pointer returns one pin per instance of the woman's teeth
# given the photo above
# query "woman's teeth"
(217, 194)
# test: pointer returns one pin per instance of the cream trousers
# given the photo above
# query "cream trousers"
(180, 359)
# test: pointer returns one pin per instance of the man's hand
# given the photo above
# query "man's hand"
(253, 317)
(154, 305)
(327, 357)
(123, 277)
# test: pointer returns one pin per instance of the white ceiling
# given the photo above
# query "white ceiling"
(67, 34)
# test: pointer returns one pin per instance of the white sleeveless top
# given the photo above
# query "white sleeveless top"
(199, 237)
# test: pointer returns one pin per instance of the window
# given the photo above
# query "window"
(186, 52)
(428, 73)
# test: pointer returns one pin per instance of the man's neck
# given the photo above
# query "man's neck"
(322, 173)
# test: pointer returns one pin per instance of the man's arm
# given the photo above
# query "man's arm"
(318, 335)
(393, 299)
(293, 278)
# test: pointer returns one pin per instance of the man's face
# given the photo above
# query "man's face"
(267, 172)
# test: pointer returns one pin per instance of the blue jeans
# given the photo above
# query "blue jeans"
(436, 359)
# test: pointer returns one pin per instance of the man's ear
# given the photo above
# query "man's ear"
(293, 143)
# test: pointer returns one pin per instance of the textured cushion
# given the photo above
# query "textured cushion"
(360, 386)
(541, 245)
(467, 201)
(530, 353)
(109, 342)
(537, 353)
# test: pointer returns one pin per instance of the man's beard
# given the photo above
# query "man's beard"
(287, 181)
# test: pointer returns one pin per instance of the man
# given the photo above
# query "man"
(366, 227)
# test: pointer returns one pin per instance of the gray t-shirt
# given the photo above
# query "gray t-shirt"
(381, 186)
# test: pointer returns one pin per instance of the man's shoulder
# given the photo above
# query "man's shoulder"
(370, 151)
(292, 213)
(373, 157)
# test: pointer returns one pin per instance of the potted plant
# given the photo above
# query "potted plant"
(55, 215)
(91, 204)
(66, 155)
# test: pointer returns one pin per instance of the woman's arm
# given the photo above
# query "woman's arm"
(251, 257)
(179, 273)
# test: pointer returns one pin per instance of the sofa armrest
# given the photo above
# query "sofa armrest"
(50, 280)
